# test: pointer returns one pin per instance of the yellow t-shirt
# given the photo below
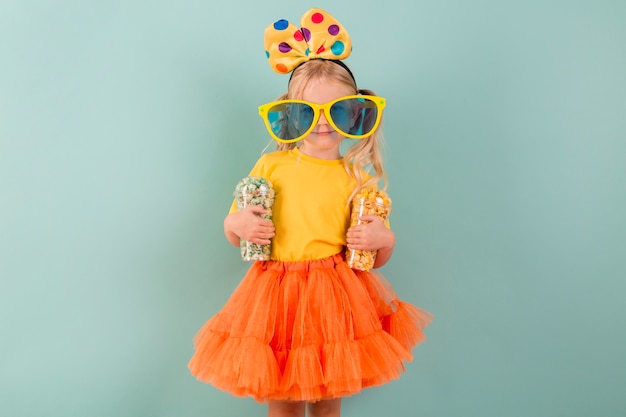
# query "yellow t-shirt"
(310, 212)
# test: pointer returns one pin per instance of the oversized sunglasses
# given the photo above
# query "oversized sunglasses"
(354, 117)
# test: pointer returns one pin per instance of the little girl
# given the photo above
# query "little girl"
(303, 329)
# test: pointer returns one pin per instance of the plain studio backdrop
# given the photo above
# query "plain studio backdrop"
(125, 125)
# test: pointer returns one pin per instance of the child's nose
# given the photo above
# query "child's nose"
(322, 119)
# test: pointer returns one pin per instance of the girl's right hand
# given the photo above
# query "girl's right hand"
(247, 224)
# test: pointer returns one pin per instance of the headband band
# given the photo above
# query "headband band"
(334, 61)
(320, 36)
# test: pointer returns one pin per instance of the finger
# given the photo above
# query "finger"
(265, 223)
(370, 218)
(262, 232)
(353, 235)
(356, 246)
(264, 227)
(257, 210)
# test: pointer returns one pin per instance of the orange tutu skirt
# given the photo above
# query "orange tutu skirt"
(306, 331)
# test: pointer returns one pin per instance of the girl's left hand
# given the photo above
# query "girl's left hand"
(371, 235)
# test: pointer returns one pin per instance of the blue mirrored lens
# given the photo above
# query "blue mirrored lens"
(355, 116)
(290, 120)
(341, 114)
(302, 116)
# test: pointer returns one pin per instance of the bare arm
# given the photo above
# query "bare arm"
(246, 224)
(372, 236)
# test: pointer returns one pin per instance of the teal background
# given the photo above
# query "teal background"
(124, 126)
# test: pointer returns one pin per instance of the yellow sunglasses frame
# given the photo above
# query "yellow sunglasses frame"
(379, 101)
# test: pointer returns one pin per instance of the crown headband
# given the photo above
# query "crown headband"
(320, 36)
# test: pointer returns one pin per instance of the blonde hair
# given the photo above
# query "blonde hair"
(365, 154)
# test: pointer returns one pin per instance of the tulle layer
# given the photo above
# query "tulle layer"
(305, 331)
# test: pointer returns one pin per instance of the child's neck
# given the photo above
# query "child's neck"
(317, 153)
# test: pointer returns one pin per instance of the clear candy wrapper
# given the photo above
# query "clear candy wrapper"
(255, 191)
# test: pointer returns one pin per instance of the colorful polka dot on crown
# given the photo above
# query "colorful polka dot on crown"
(333, 30)
(307, 34)
(282, 68)
(281, 24)
(298, 35)
(338, 48)
(317, 18)
(267, 54)
(284, 47)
